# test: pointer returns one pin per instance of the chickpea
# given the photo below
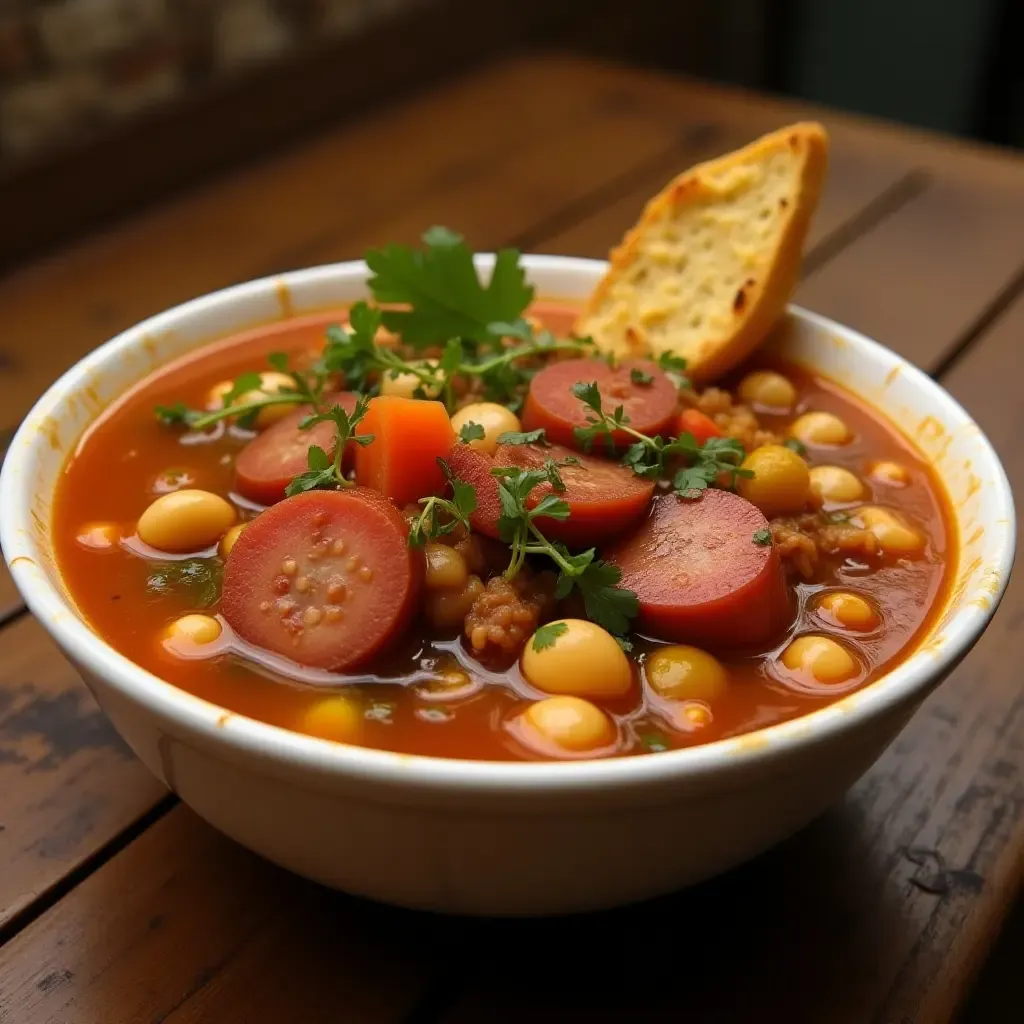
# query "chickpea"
(681, 673)
(833, 483)
(582, 659)
(851, 611)
(99, 536)
(568, 723)
(781, 482)
(446, 608)
(894, 474)
(494, 418)
(336, 717)
(769, 390)
(894, 536)
(446, 568)
(272, 382)
(405, 385)
(227, 542)
(196, 629)
(820, 428)
(821, 658)
(186, 520)
(215, 396)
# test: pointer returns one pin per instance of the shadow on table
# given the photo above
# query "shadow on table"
(768, 933)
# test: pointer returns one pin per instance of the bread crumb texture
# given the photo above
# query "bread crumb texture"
(714, 258)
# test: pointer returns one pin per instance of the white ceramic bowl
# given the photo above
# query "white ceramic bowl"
(483, 837)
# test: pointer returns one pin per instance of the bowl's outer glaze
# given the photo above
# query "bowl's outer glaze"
(490, 838)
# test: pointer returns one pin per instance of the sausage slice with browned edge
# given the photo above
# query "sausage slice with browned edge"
(701, 575)
(326, 578)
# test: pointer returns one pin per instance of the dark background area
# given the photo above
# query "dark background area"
(107, 105)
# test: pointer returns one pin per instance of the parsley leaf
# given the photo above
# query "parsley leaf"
(324, 470)
(763, 536)
(671, 363)
(797, 446)
(537, 436)
(177, 414)
(196, 580)
(546, 636)
(442, 292)
(606, 603)
(471, 432)
(639, 376)
(454, 512)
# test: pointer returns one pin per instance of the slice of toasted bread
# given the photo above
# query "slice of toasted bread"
(710, 265)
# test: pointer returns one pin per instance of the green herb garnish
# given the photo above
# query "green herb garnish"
(606, 603)
(324, 471)
(439, 284)
(197, 580)
(763, 536)
(638, 376)
(354, 352)
(648, 456)
(537, 436)
(797, 446)
(443, 515)
(547, 635)
(471, 432)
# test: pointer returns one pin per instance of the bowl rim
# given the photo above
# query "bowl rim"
(907, 682)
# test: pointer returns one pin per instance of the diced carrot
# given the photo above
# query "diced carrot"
(409, 436)
(693, 421)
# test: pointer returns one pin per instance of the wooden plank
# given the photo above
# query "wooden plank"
(489, 224)
(185, 926)
(210, 128)
(68, 782)
(326, 199)
(262, 219)
(931, 267)
(882, 910)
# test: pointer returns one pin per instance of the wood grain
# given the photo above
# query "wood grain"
(185, 926)
(889, 903)
(68, 783)
(843, 901)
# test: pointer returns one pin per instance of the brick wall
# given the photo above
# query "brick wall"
(71, 68)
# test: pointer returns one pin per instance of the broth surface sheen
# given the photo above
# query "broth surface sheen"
(413, 699)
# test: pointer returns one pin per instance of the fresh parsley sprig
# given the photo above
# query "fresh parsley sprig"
(441, 290)
(648, 456)
(355, 352)
(606, 603)
(246, 397)
(324, 472)
(443, 515)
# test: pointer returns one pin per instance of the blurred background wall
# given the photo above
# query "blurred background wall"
(121, 100)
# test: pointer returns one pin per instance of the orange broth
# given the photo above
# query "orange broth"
(120, 466)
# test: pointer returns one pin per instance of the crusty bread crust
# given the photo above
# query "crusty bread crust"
(715, 256)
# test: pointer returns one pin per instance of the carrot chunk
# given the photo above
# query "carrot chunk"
(409, 436)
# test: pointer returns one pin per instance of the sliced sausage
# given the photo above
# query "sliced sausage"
(268, 463)
(326, 578)
(701, 575)
(551, 404)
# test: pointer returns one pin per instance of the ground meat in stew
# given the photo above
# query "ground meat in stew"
(506, 614)
(802, 540)
(733, 419)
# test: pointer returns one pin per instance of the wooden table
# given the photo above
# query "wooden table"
(118, 905)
